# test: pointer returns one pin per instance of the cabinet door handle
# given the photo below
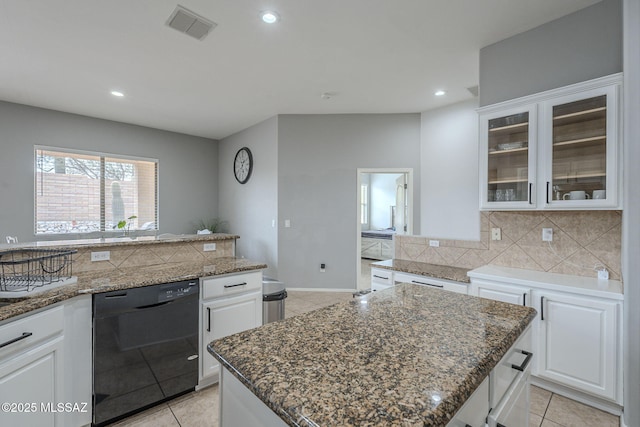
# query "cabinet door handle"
(427, 284)
(547, 192)
(20, 338)
(541, 308)
(380, 277)
(526, 361)
(233, 286)
(208, 319)
(530, 188)
(524, 299)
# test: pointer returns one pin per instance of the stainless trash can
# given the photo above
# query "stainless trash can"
(273, 296)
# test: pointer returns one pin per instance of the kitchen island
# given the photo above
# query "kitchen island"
(409, 355)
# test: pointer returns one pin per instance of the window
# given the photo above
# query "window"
(364, 204)
(80, 192)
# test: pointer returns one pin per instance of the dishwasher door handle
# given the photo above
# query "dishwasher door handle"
(158, 304)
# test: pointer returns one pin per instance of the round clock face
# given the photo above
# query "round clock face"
(242, 165)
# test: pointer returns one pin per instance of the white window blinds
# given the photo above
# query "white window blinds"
(79, 192)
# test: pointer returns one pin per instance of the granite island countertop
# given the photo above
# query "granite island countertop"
(438, 271)
(127, 278)
(408, 355)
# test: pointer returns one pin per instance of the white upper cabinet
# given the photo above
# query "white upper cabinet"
(558, 150)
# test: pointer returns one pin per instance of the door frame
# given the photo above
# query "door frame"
(409, 219)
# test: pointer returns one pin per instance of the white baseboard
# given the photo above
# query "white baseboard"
(603, 405)
(321, 290)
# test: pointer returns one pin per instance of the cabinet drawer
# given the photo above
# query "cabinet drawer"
(232, 284)
(474, 411)
(447, 285)
(382, 276)
(24, 333)
(506, 371)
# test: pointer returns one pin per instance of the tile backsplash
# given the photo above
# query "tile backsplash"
(582, 242)
(126, 256)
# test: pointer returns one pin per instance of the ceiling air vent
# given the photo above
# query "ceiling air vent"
(190, 23)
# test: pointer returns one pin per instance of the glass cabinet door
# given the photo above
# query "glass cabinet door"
(580, 152)
(509, 156)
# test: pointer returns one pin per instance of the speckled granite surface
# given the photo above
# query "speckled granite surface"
(409, 355)
(123, 241)
(125, 278)
(433, 270)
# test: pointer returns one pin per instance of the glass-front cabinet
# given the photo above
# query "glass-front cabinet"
(508, 147)
(555, 150)
(581, 161)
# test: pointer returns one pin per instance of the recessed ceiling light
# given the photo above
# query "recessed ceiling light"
(117, 93)
(269, 16)
(440, 93)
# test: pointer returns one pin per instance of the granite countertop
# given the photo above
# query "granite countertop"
(457, 274)
(126, 278)
(121, 241)
(408, 355)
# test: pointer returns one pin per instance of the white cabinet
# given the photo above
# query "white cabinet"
(506, 293)
(230, 304)
(381, 279)
(577, 333)
(578, 341)
(558, 149)
(45, 361)
(416, 279)
(474, 411)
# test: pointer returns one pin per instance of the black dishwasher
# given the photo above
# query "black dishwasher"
(145, 347)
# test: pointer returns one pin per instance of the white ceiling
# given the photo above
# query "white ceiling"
(378, 56)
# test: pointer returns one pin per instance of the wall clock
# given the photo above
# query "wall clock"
(243, 165)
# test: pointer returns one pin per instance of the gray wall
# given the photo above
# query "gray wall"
(317, 160)
(631, 213)
(251, 208)
(577, 47)
(187, 164)
(449, 162)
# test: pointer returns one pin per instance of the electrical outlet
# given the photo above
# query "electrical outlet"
(603, 274)
(208, 247)
(287, 223)
(496, 234)
(101, 256)
(547, 234)
(434, 243)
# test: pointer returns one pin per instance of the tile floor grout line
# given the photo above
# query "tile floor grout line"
(174, 415)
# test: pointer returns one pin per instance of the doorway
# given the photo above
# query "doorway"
(385, 209)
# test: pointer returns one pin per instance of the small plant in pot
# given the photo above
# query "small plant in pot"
(213, 225)
(125, 225)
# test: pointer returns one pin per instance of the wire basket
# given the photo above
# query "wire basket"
(27, 269)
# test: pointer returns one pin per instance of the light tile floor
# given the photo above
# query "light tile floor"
(200, 408)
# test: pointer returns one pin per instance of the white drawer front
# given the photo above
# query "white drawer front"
(381, 276)
(504, 374)
(24, 333)
(213, 287)
(447, 285)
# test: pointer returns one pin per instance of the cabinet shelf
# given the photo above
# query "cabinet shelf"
(580, 113)
(580, 176)
(602, 138)
(512, 150)
(508, 181)
(507, 127)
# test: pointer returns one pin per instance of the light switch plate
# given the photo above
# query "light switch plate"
(208, 247)
(547, 234)
(496, 234)
(101, 256)
(287, 223)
